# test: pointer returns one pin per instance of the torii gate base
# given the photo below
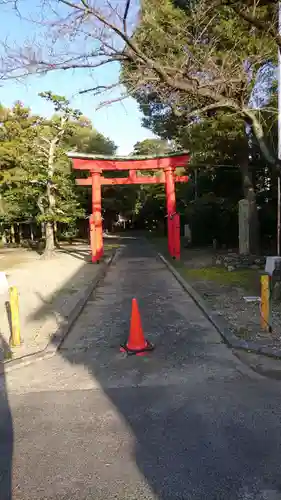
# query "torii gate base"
(166, 164)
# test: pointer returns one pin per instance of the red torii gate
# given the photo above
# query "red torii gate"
(96, 164)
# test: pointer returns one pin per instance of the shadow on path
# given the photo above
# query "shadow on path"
(183, 423)
(6, 433)
(202, 429)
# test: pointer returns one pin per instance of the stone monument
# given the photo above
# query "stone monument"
(244, 227)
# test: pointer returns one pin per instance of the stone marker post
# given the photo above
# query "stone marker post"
(244, 227)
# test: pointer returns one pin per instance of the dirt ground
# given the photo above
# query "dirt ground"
(224, 292)
(14, 257)
(48, 291)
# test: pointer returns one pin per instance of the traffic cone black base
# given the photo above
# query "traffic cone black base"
(137, 352)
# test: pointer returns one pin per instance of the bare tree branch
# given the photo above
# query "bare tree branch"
(128, 3)
(66, 66)
(109, 102)
(100, 89)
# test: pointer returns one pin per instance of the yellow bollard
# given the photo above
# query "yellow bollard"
(15, 340)
(266, 303)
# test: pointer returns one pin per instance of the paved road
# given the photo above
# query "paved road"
(189, 421)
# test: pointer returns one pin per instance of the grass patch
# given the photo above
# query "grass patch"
(111, 246)
(244, 278)
(249, 279)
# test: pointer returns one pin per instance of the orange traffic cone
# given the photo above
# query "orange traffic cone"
(136, 343)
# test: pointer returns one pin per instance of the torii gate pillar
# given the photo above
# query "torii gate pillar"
(171, 206)
(96, 239)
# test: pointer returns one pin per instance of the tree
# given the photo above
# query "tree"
(37, 181)
(226, 43)
(150, 199)
(88, 140)
(17, 130)
(59, 200)
(217, 162)
(46, 168)
(196, 59)
(261, 15)
(150, 147)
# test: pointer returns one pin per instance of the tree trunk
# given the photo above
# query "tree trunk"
(20, 228)
(49, 227)
(12, 233)
(3, 234)
(250, 196)
(50, 240)
(56, 234)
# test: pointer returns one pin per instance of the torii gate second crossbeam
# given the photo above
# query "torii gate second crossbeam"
(97, 164)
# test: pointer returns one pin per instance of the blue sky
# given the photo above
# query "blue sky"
(121, 121)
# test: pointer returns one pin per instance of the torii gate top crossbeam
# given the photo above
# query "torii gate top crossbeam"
(100, 163)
